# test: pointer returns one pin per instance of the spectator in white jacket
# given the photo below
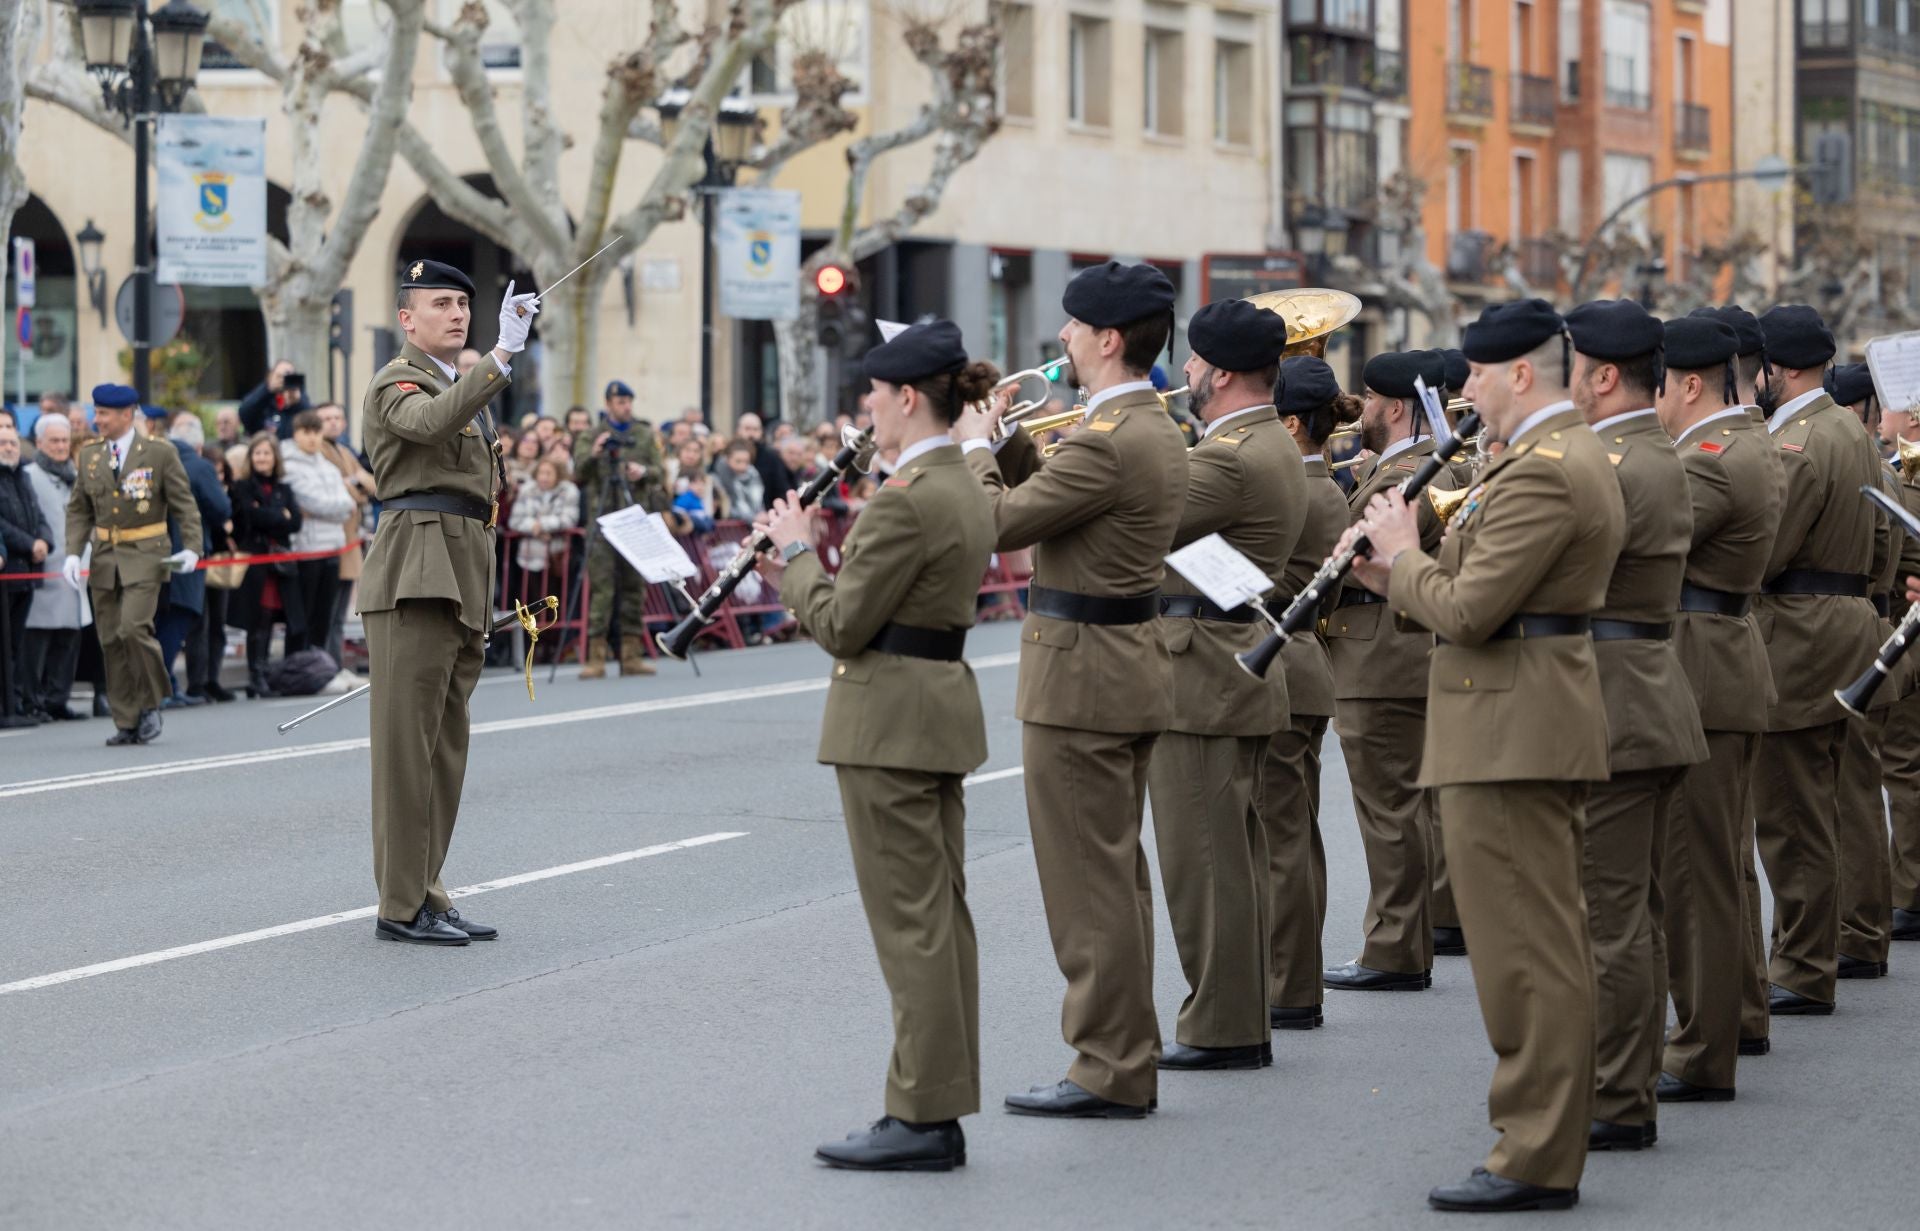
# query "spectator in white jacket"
(51, 648)
(325, 505)
(547, 507)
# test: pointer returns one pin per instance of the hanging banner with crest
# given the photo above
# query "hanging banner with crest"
(213, 200)
(759, 253)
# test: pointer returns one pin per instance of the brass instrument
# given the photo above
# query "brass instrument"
(1313, 314)
(1350, 463)
(1447, 503)
(1166, 399)
(1019, 411)
(1909, 457)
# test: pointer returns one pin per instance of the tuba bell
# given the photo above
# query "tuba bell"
(1313, 314)
(1446, 503)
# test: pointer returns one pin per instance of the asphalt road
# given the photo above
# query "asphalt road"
(660, 1040)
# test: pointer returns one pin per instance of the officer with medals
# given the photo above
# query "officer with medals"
(1516, 732)
(425, 588)
(1095, 689)
(1311, 406)
(128, 485)
(1246, 483)
(1734, 485)
(1653, 723)
(1900, 750)
(903, 726)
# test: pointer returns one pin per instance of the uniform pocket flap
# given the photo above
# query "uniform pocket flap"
(856, 670)
(1059, 634)
(1461, 669)
(422, 517)
(1359, 622)
(1178, 634)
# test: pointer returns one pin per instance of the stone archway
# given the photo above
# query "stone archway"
(52, 363)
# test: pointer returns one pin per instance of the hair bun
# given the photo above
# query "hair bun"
(976, 381)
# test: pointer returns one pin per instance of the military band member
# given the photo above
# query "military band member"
(1516, 732)
(1018, 456)
(1900, 750)
(1311, 406)
(1819, 628)
(1095, 686)
(903, 726)
(1750, 364)
(1653, 724)
(1380, 686)
(1735, 485)
(1245, 482)
(426, 586)
(128, 486)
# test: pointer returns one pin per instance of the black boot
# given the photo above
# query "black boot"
(259, 646)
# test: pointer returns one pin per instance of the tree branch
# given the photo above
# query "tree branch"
(633, 81)
(361, 202)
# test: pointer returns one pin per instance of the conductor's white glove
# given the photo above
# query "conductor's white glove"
(183, 561)
(70, 570)
(516, 318)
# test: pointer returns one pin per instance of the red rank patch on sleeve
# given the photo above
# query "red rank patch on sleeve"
(1712, 446)
(406, 386)
(898, 483)
(1795, 448)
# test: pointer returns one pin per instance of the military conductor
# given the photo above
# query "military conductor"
(424, 590)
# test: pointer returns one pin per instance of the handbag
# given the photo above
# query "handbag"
(223, 573)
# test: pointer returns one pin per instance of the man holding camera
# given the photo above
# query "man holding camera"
(616, 465)
(275, 401)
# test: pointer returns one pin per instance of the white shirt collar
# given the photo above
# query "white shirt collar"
(1107, 395)
(1537, 418)
(1314, 457)
(1788, 411)
(1612, 420)
(1223, 420)
(124, 445)
(452, 373)
(1398, 447)
(919, 448)
(1728, 413)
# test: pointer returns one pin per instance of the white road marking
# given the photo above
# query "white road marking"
(163, 769)
(344, 916)
(995, 775)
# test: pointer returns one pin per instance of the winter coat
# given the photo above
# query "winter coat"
(265, 517)
(188, 591)
(55, 603)
(21, 522)
(555, 512)
(324, 499)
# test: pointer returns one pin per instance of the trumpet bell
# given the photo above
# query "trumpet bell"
(1446, 503)
(1909, 458)
(1312, 314)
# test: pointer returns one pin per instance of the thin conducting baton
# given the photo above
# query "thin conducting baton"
(522, 309)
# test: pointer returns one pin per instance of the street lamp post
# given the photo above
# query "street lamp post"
(1771, 172)
(90, 239)
(734, 126)
(142, 72)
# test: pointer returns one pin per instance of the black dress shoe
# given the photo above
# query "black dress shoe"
(1860, 968)
(1357, 978)
(1066, 1101)
(425, 928)
(1906, 924)
(1294, 1019)
(1449, 942)
(218, 692)
(100, 707)
(1783, 1003)
(1486, 1193)
(1755, 1047)
(895, 1145)
(1251, 1056)
(65, 713)
(1602, 1135)
(149, 728)
(1670, 1089)
(479, 931)
(120, 739)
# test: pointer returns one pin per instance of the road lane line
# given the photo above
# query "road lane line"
(995, 775)
(344, 916)
(163, 769)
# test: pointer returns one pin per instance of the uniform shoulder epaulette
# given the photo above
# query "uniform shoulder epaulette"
(1107, 419)
(904, 478)
(1793, 437)
(1235, 436)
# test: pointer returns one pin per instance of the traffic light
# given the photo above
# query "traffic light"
(841, 319)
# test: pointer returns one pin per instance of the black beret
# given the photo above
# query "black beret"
(1614, 329)
(1111, 295)
(1235, 336)
(1506, 331)
(1745, 326)
(434, 276)
(1697, 342)
(1392, 374)
(931, 348)
(1796, 336)
(1306, 384)
(1850, 383)
(1457, 369)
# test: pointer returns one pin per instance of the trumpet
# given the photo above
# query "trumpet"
(1019, 411)
(1166, 399)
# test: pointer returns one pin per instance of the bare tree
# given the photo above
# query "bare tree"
(1414, 283)
(20, 30)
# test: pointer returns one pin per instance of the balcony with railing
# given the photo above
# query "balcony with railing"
(1626, 87)
(1534, 100)
(1890, 41)
(1324, 60)
(1692, 129)
(1469, 92)
(1389, 73)
(1539, 261)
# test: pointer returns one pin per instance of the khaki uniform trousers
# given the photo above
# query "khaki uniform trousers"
(425, 664)
(1860, 838)
(1756, 1018)
(1709, 967)
(907, 829)
(1296, 864)
(1900, 766)
(1086, 791)
(136, 673)
(1515, 851)
(1213, 864)
(1796, 790)
(1381, 740)
(1628, 822)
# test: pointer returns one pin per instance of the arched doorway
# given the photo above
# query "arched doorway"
(51, 364)
(224, 324)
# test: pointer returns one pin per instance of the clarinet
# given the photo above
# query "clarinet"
(1305, 608)
(1857, 696)
(677, 641)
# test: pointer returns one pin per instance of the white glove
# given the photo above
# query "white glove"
(516, 318)
(70, 570)
(183, 561)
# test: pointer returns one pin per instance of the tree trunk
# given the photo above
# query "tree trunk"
(297, 331)
(568, 352)
(800, 401)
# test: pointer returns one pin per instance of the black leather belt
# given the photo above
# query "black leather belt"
(1883, 605)
(1715, 602)
(1526, 627)
(441, 502)
(1197, 607)
(1353, 596)
(1092, 608)
(1629, 630)
(1819, 581)
(947, 645)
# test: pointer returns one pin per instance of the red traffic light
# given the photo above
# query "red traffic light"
(830, 280)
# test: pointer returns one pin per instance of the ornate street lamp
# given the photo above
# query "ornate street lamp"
(90, 240)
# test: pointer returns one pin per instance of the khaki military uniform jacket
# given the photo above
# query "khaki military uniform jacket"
(1652, 719)
(420, 434)
(1818, 642)
(1019, 458)
(1246, 483)
(915, 557)
(1304, 659)
(1539, 537)
(1736, 486)
(150, 486)
(1100, 515)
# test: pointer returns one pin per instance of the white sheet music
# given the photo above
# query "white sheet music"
(644, 540)
(1226, 577)
(1894, 361)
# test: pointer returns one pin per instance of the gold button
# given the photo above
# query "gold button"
(1726, 431)
(1556, 435)
(841, 669)
(1619, 440)
(1468, 681)
(1803, 423)
(1343, 628)
(1036, 634)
